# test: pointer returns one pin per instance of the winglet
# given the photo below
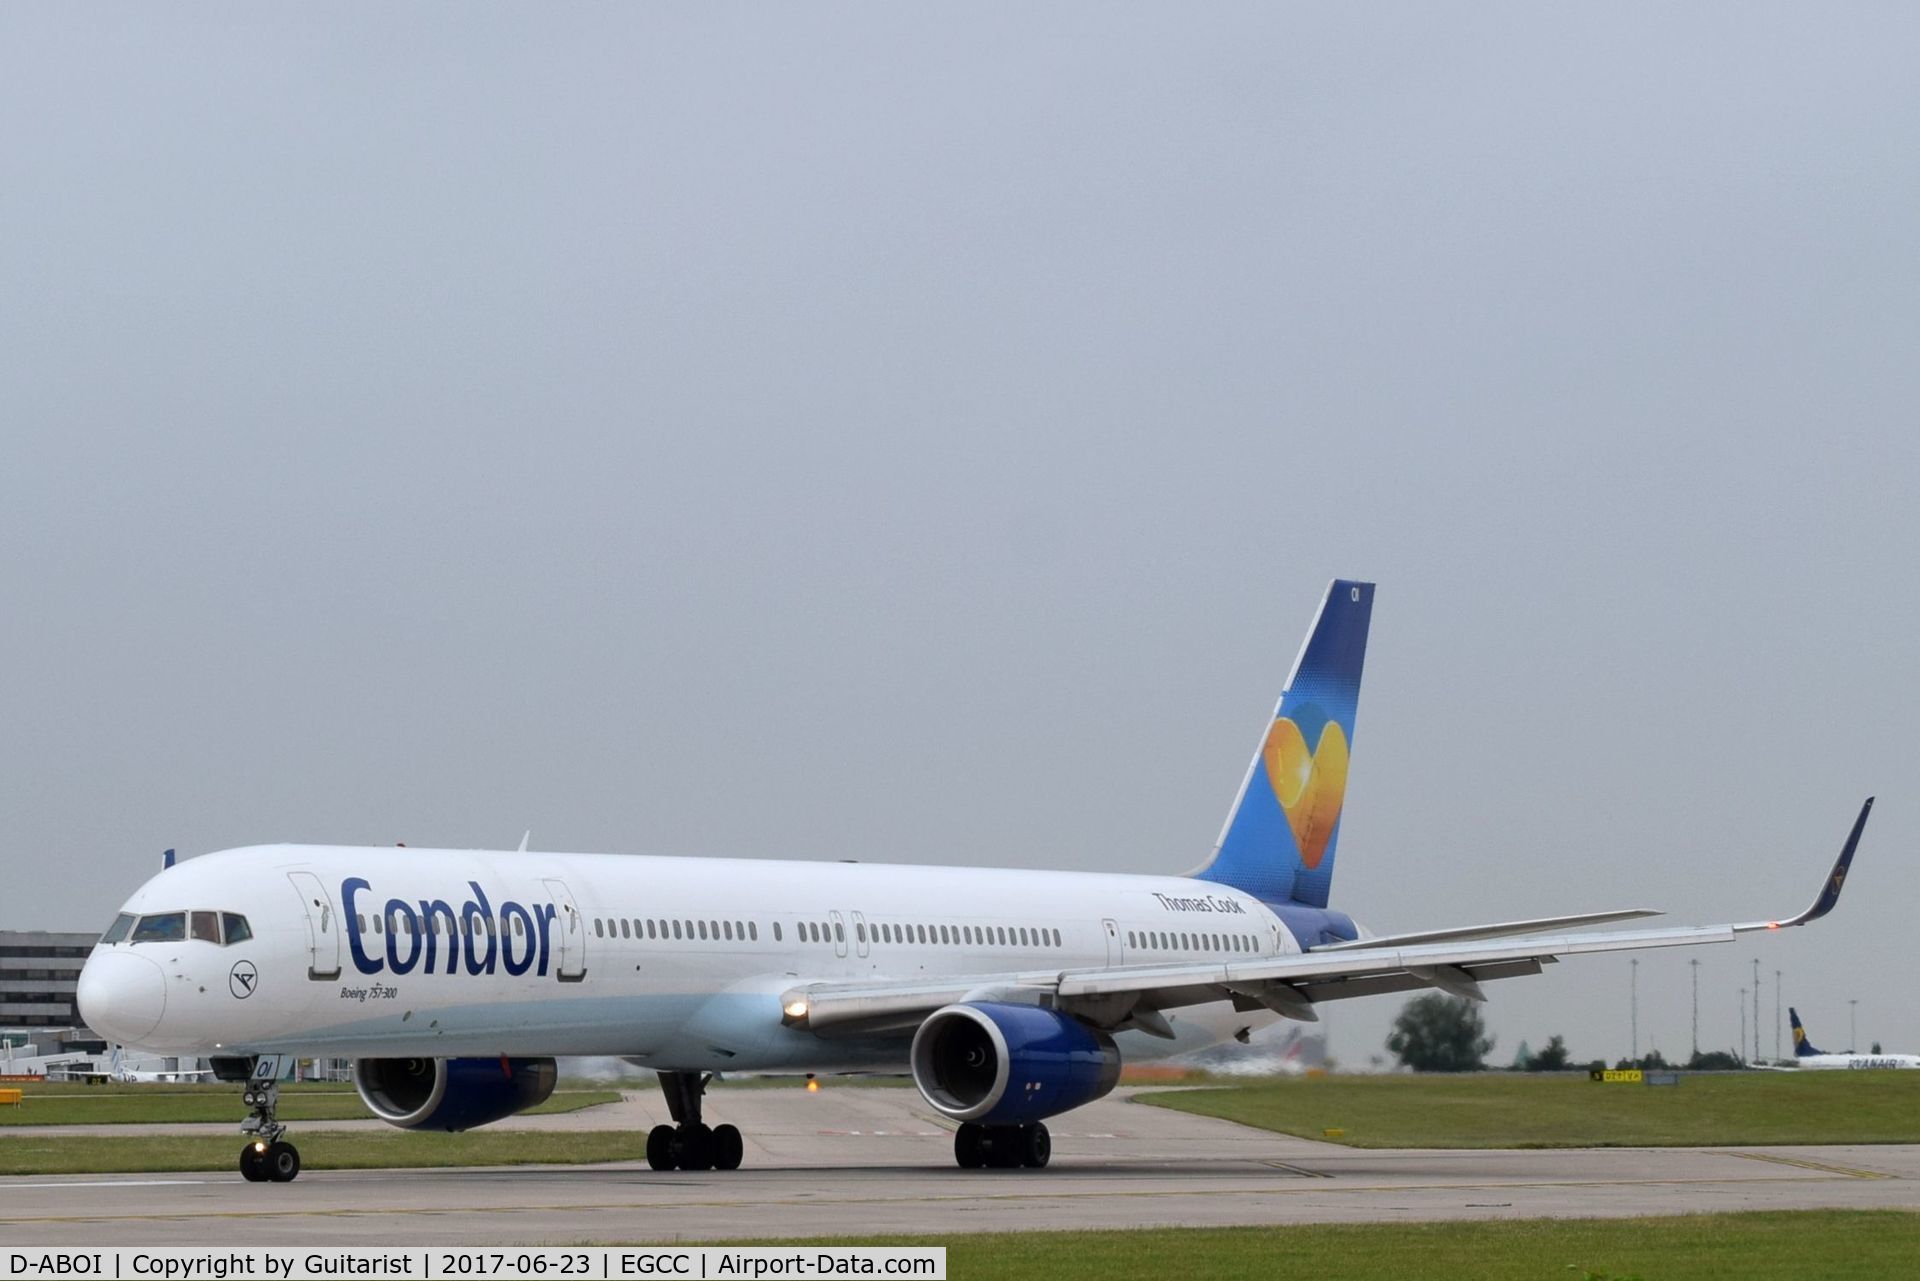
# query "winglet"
(1836, 879)
(523, 842)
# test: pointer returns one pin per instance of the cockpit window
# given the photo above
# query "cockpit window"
(204, 926)
(162, 927)
(118, 930)
(237, 931)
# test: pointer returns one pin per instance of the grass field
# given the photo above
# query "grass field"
(1496, 1110)
(64, 1104)
(23, 1152)
(1834, 1245)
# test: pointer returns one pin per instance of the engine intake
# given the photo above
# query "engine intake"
(452, 1094)
(1001, 1064)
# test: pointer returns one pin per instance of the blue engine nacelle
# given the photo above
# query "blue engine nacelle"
(451, 1094)
(1001, 1064)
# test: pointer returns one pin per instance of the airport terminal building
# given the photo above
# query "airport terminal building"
(39, 972)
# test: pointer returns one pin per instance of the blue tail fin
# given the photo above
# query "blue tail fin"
(1279, 840)
(1802, 1047)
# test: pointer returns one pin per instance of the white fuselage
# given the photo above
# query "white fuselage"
(675, 963)
(1856, 1062)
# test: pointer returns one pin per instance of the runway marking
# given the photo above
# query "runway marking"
(1844, 1171)
(120, 1183)
(973, 1198)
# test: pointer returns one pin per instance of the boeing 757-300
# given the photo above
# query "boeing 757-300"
(454, 978)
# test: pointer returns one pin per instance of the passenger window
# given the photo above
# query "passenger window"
(118, 930)
(703, 928)
(776, 931)
(726, 929)
(753, 931)
(650, 933)
(598, 932)
(839, 932)
(859, 932)
(165, 927)
(378, 921)
(626, 928)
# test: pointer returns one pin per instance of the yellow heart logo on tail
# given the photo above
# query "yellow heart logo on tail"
(1309, 785)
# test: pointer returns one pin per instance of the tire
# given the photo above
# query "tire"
(694, 1150)
(1036, 1146)
(728, 1147)
(970, 1146)
(660, 1147)
(253, 1164)
(283, 1162)
(1004, 1145)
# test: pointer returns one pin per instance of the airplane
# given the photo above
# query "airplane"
(454, 978)
(1805, 1055)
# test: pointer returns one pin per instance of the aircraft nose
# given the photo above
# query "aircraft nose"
(121, 995)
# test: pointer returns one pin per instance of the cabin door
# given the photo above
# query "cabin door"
(570, 934)
(323, 926)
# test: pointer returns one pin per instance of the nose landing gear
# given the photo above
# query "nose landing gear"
(268, 1157)
(687, 1144)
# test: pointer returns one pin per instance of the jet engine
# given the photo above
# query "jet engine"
(1008, 1065)
(451, 1094)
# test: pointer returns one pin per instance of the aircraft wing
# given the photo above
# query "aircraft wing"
(1132, 996)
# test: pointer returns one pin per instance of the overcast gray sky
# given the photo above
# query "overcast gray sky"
(923, 434)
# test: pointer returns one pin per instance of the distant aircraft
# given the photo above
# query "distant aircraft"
(119, 1073)
(1805, 1055)
(453, 978)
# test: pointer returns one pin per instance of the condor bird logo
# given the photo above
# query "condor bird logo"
(1308, 785)
(242, 979)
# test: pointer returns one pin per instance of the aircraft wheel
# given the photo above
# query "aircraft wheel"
(1036, 1146)
(253, 1164)
(660, 1147)
(694, 1149)
(970, 1145)
(283, 1162)
(1004, 1145)
(728, 1147)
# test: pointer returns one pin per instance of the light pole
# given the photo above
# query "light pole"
(1743, 1022)
(1776, 1016)
(1853, 1036)
(1633, 1004)
(1695, 963)
(1756, 1009)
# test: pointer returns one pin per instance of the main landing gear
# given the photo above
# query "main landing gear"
(1002, 1147)
(687, 1144)
(268, 1157)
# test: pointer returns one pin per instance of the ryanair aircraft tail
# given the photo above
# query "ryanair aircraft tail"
(1802, 1047)
(1279, 839)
